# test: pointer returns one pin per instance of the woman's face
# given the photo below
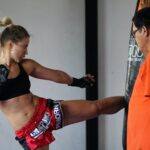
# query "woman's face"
(19, 50)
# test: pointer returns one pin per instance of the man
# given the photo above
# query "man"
(138, 128)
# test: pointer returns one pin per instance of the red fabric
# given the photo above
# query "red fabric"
(45, 138)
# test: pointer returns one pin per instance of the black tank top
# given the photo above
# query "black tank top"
(14, 87)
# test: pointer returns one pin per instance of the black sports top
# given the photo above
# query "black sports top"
(14, 87)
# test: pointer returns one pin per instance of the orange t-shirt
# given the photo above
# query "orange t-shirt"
(138, 128)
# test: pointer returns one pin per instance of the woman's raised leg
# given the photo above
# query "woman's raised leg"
(79, 110)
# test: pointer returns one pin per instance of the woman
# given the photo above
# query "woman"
(34, 118)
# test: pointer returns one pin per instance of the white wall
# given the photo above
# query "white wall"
(57, 40)
(114, 28)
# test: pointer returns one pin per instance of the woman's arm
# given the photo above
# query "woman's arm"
(38, 71)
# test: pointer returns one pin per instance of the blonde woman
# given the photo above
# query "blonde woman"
(34, 118)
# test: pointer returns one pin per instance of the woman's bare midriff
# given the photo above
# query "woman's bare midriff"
(19, 110)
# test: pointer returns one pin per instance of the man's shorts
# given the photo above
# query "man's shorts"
(37, 132)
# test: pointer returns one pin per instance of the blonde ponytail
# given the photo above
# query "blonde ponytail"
(6, 21)
(5, 54)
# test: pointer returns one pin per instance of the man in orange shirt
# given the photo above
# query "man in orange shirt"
(138, 129)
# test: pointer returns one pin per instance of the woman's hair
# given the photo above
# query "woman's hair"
(6, 21)
(12, 32)
(142, 18)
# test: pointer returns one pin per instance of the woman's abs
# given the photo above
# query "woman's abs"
(19, 110)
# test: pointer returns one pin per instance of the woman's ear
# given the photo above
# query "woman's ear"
(9, 44)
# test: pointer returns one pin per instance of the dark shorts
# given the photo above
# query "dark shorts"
(37, 132)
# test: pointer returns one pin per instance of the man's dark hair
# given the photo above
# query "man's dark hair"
(142, 18)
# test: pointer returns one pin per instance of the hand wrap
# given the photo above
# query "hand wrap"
(83, 82)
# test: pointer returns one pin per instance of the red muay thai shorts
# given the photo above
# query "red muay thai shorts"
(37, 132)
